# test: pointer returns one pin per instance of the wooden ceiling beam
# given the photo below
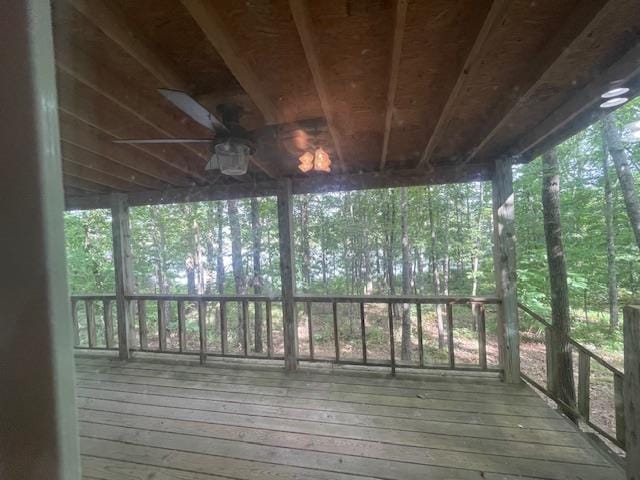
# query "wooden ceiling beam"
(302, 18)
(205, 15)
(494, 17)
(105, 165)
(166, 120)
(81, 134)
(301, 185)
(97, 113)
(396, 53)
(115, 26)
(578, 26)
(86, 185)
(625, 72)
(77, 170)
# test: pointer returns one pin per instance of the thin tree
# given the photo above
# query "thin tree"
(625, 177)
(236, 257)
(256, 237)
(434, 270)
(220, 250)
(612, 281)
(406, 276)
(562, 363)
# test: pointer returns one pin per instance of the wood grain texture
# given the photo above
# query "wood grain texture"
(632, 389)
(132, 428)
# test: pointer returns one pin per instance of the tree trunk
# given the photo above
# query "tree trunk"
(257, 274)
(220, 251)
(476, 255)
(561, 349)
(406, 277)
(434, 271)
(625, 176)
(305, 269)
(236, 257)
(612, 281)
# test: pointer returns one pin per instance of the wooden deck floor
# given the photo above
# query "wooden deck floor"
(153, 420)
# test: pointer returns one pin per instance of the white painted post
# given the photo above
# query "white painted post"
(39, 436)
(504, 247)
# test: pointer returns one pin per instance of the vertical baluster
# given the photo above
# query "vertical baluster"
(307, 308)
(269, 329)
(223, 328)
(108, 323)
(245, 328)
(482, 334)
(202, 327)
(182, 333)
(91, 323)
(584, 384)
(336, 333)
(618, 392)
(74, 321)
(392, 342)
(420, 339)
(142, 325)
(162, 327)
(363, 333)
(452, 353)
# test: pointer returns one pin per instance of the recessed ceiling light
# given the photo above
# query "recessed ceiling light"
(615, 92)
(614, 102)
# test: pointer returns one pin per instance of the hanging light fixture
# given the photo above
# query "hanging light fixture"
(318, 161)
(232, 156)
(306, 162)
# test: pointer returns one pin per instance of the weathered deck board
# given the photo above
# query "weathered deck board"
(147, 419)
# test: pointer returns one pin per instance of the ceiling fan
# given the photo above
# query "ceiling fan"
(231, 144)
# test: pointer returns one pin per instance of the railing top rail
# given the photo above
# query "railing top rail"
(425, 299)
(579, 346)
(204, 298)
(93, 296)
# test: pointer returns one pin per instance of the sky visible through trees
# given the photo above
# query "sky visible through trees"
(423, 240)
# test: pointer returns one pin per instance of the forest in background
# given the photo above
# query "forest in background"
(425, 240)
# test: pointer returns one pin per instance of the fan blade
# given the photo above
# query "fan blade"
(164, 140)
(193, 109)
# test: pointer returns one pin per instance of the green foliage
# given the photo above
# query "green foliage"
(347, 242)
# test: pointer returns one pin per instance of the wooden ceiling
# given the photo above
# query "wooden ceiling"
(423, 91)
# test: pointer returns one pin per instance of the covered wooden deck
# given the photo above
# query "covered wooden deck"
(149, 419)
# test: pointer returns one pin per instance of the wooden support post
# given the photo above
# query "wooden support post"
(336, 330)
(584, 384)
(74, 321)
(162, 326)
(452, 351)
(618, 400)
(108, 322)
(363, 333)
(142, 324)
(90, 315)
(307, 309)
(37, 403)
(504, 246)
(269, 329)
(122, 260)
(202, 328)
(632, 390)
(481, 323)
(287, 274)
(224, 342)
(182, 332)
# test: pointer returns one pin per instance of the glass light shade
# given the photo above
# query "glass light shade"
(614, 102)
(233, 157)
(321, 161)
(615, 92)
(306, 162)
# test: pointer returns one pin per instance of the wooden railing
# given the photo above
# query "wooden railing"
(156, 339)
(413, 301)
(582, 410)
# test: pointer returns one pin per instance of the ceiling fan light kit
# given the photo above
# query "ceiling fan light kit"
(318, 161)
(232, 156)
